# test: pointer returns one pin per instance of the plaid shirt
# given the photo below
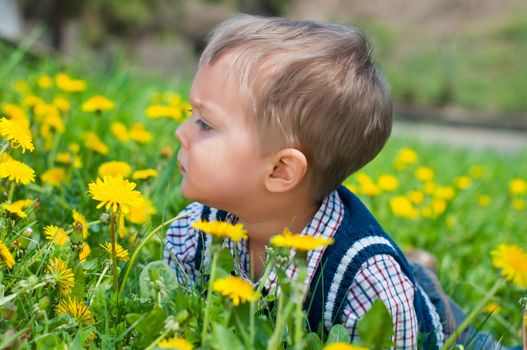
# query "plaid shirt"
(380, 277)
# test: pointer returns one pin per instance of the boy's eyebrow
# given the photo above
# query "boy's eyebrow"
(198, 103)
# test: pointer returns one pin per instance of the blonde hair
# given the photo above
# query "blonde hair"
(312, 86)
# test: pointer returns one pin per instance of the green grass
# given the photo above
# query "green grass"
(481, 69)
(461, 237)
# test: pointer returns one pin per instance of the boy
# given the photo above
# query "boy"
(283, 112)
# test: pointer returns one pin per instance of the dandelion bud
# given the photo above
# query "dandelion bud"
(43, 303)
(28, 232)
(171, 325)
(182, 316)
(166, 152)
(104, 218)
(32, 280)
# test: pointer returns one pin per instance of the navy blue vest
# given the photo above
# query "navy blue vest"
(358, 238)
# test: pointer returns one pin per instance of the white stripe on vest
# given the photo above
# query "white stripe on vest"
(343, 266)
(438, 327)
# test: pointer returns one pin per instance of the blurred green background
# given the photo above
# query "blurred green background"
(435, 53)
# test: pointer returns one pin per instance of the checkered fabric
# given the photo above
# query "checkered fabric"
(379, 277)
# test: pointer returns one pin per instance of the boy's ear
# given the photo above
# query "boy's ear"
(289, 169)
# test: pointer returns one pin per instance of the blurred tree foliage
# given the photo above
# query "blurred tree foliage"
(127, 18)
(102, 17)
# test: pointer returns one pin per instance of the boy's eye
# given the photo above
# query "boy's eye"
(202, 125)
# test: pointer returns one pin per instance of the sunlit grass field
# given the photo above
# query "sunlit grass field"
(77, 271)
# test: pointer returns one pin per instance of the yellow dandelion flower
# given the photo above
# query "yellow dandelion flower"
(21, 86)
(14, 209)
(512, 261)
(17, 134)
(4, 157)
(299, 242)
(98, 104)
(235, 288)
(484, 200)
(74, 147)
(85, 251)
(76, 309)
(463, 182)
(141, 213)
(53, 176)
(517, 186)
(491, 308)
(61, 103)
(416, 197)
(405, 157)
(62, 275)
(518, 204)
(5, 256)
(144, 174)
(15, 112)
(92, 141)
(64, 157)
(66, 83)
(444, 192)
(438, 206)
(56, 234)
(80, 223)
(343, 346)
(351, 187)
(430, 187)
(222, 229)
(16, 171)
(424, 174)
(115, 168)
(120, 131)
(175, 343)
(388, 182)
(44, 81)
(115, 192)
(120, 252)
(161, 111)
(138, 133)
(367, 186)
(32, 101)
(426, 211)
(53, 121)
(401, 206)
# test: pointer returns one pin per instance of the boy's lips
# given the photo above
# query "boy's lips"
(181, 167)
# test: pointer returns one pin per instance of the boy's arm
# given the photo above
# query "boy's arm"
(181, 244)
(380, 277)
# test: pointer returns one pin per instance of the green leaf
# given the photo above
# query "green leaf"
(132, 317)
(151, 272)
(224, 338)
(80, 281)
(337, 334)
(375, 329)
(226, 260)
(313, 342)
(151, 325)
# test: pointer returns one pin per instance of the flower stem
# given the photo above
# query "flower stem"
(475, 313)
(215, 255)
(11, 192)
(139, 247)
(281, 320)
(114, 255)
(298, 301)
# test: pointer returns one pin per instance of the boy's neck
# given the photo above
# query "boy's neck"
(293, 214)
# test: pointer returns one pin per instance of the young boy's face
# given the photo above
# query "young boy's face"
(219, 156)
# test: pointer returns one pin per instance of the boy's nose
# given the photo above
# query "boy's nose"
(181, 136)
